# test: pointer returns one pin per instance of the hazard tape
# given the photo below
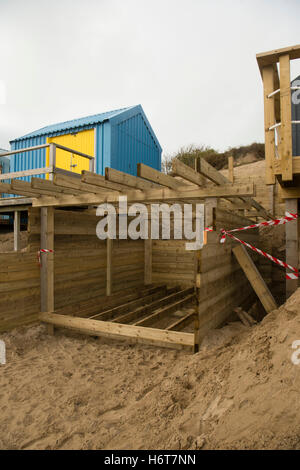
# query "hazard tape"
(42, 250)
(288, 217)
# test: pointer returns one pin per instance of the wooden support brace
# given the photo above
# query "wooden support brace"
(254, 277)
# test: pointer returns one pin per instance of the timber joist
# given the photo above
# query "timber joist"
(152, 315)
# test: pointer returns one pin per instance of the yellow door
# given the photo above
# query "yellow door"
(82, 141)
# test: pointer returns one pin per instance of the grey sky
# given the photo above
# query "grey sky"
(190, 64)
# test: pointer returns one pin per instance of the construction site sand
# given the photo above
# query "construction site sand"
(241, 391)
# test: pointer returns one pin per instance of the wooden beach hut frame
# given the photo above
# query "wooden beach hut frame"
(126, 289)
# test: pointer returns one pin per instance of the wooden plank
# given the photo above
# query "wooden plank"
(156, 293)
(270, 57)
(117, 176)
(181, 322)
(47, 260)
(149, 173)
(269, 117)
(148, 262)
(148, 196)
(39, 183)
(25, 188)
(120, 331)
(20, 174)
(289, 193)
(186, 172)
(6, 188)
(291, 245)
(255, 278)
(109, 267)
(75, 183)
(15, 201)
(230, 169)
(17, 233)
(285, 146)
(162, 312)
(295, 166)
(173, 296)
(99, 180)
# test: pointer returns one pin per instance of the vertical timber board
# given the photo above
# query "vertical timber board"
(291, 242)
(286, 116)
(47, 259)
(17, 233)
(254, 277)
(109, 276)
(269, 116)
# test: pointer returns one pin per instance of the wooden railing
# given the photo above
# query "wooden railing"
(52, 161)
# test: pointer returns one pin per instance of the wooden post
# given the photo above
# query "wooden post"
(291, 243)
(52, 160)
(254, 277)
(47, 261)
(148, 257)
(286, 116)
(272, 198)
(269, 115)
(109, 279)
(230, 169)
(17, 234)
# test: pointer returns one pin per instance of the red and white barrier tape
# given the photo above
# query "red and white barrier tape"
(42, 250)
(288, 217)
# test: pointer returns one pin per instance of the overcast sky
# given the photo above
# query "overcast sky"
(191, 64)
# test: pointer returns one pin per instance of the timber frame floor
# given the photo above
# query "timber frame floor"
(152, 314)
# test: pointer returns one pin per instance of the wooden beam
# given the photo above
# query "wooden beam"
(269, 116)
(148, 173)
(254, 277)
(289, 193)
(17, 233)
(129, 306)
(131, 181)
(148, 196)
(230, 169)
(109, 268)
(291, 245)
(271, 57)
(41, 184)
(295, 166)
(26, 189)
(47, 260)
(181, 322)
(75, 183)
(99, 180)
(119, 331)
(6, 188)
(285, 147)
(186, 172)
(148, 261)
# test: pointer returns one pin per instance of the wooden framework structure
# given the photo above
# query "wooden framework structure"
(159, 306)
(281, 165)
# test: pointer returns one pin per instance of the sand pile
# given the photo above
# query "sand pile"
(241, 391)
